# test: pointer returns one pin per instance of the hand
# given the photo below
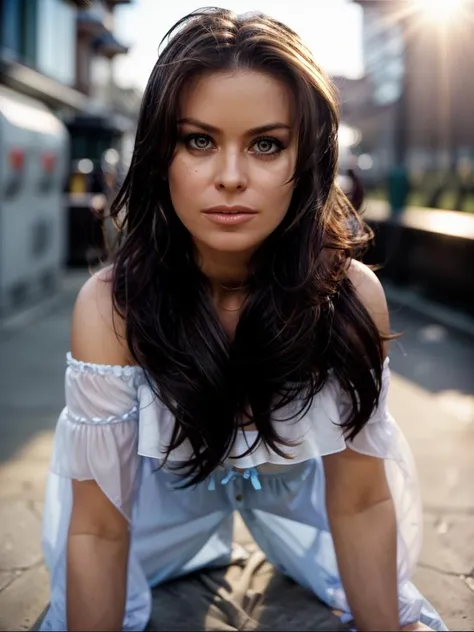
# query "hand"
(411, 627)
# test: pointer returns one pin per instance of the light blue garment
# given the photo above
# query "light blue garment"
(177, 531)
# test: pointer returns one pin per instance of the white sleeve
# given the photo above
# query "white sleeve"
(377, 438)
(97, 432)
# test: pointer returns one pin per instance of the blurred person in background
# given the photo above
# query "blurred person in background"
(233, 355)
(348, 179)
(356, 193)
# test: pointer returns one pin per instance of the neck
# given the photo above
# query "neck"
(226, 271)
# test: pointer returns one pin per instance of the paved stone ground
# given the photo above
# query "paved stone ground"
(432, 396)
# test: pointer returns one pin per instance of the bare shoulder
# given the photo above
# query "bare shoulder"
(371, 294)
(97, 331)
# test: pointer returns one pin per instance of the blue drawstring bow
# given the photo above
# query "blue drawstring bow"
(251, 473)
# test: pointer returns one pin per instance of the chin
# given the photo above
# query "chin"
(231, 243)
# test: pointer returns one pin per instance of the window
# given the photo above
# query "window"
(10, 27)
(19, 30)
(29, 19)
(384, 58)
(57, 40)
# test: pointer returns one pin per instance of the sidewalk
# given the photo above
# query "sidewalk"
(439, 427)
(32, 347)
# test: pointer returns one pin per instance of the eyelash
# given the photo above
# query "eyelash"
(278, 144)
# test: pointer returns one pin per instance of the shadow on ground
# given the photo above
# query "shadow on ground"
(435, 357)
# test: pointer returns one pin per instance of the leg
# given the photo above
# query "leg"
(288, 521)
(178, 531)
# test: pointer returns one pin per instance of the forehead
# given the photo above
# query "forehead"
(242, 100)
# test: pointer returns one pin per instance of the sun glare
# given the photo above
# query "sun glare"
(440, 10)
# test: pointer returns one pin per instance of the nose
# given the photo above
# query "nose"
(231, 171)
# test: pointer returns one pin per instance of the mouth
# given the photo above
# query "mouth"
(230, 210)
(230, 215)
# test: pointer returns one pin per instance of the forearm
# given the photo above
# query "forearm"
(366, 549)
(96, 582)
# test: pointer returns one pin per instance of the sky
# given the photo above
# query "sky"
(331, 28)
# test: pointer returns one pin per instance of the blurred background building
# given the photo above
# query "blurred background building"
(414, 105)
(70, 91)
(66, 131)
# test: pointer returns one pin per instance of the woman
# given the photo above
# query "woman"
(233, 356)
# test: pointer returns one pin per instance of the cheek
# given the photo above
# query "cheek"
(277, 173)
(276, 186)
(184, 181)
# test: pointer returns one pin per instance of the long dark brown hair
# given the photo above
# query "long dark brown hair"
(301, 317)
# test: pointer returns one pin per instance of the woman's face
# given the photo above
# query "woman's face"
(237, 150)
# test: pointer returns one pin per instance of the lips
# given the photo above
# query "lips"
(230, 210)
(230, 216)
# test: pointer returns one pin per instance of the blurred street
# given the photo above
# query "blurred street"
(432, 397)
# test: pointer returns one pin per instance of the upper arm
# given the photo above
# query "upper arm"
(371, 294)
(97, 331)
(354, 480)
(97, 336)
(94, 514)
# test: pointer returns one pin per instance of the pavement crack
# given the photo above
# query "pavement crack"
(32, 506)
(449, 511)
(436, 569)
(19, 570)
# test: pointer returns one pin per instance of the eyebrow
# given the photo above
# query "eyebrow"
(251, 132)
